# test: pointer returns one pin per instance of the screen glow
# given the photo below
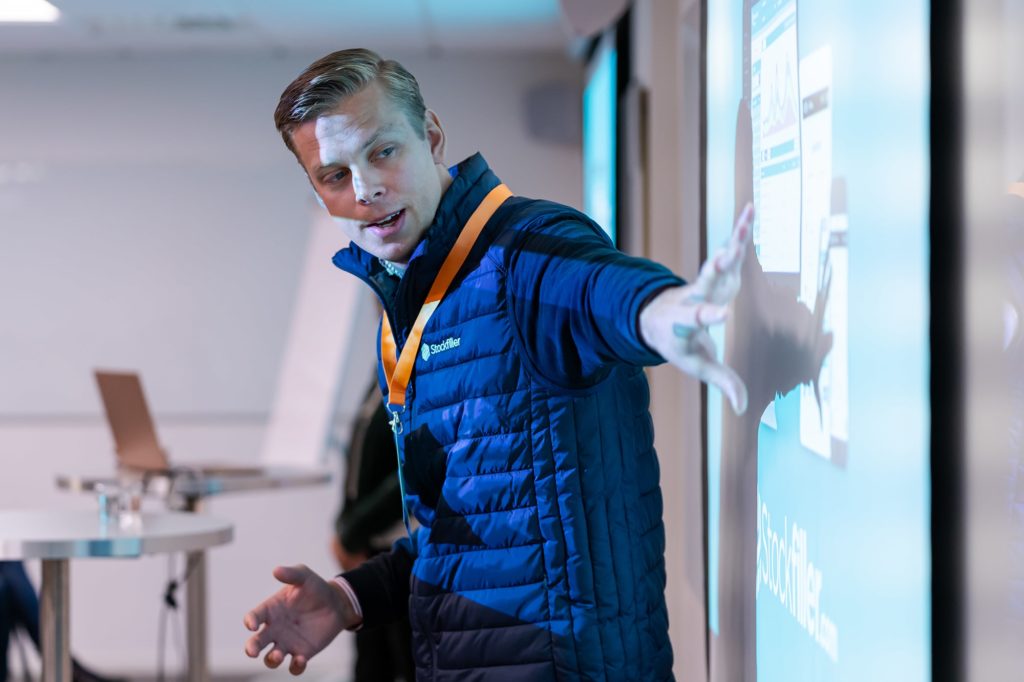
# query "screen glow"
(818, 498)
(599, 133)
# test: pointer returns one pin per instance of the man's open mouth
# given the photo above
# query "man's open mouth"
(388, 220)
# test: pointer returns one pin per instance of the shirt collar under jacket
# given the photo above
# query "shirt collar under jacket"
(393, 269)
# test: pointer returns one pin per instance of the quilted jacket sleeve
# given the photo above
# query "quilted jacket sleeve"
(576, 300)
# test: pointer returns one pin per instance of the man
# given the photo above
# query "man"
(518, 401)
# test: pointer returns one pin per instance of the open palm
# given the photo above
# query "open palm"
(298, 620)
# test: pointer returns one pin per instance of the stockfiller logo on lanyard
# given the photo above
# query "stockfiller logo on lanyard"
(398, 367)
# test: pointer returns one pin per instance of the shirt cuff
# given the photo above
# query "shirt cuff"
(347, 589)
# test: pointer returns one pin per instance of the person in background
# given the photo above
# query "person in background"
(19, 609)
(369, 521)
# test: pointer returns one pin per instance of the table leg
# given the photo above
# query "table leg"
(54, 620)
(195, 606)
(195, 617)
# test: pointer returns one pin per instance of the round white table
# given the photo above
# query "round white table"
(192, 487)
(56, 536)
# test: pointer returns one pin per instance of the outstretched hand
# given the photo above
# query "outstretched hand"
(298, 620)
(674, 323)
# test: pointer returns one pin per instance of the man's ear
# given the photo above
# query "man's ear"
(435, 136)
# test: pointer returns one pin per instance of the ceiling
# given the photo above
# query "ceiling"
(154, 26)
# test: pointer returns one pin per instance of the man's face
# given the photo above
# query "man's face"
(379, 178)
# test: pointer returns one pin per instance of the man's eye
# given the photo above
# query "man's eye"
(336, 176)
(386, 152)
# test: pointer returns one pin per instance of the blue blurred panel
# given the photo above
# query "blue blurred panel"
(599, 128)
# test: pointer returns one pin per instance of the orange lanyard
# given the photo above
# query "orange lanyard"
(398, 367)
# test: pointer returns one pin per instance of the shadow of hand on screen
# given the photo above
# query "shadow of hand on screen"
(775, 343)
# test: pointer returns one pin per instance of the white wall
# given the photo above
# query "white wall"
(1013, 92)
(150, 218)
(993, 157)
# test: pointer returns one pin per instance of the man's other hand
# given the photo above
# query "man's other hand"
(298, 620)
(674, 323)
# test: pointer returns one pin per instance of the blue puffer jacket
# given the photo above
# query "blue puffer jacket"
(528, 452)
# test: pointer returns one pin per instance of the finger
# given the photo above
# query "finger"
(734, 389)
(695, 315)
(258, 642)
(298, 665)
(292, 575)
(274, 658)
(707, 279)
(256, 617)
(717, 283)
(744, 226)
(722, 377)
(710, 271)
(728, 259)
(730, 256)
(733, 252)
(708, 313)
(698, 289)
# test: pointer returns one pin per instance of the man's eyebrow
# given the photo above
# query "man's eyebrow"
(379, 133)
(320, 169)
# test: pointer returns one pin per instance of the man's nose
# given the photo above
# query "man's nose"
(368, 188)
